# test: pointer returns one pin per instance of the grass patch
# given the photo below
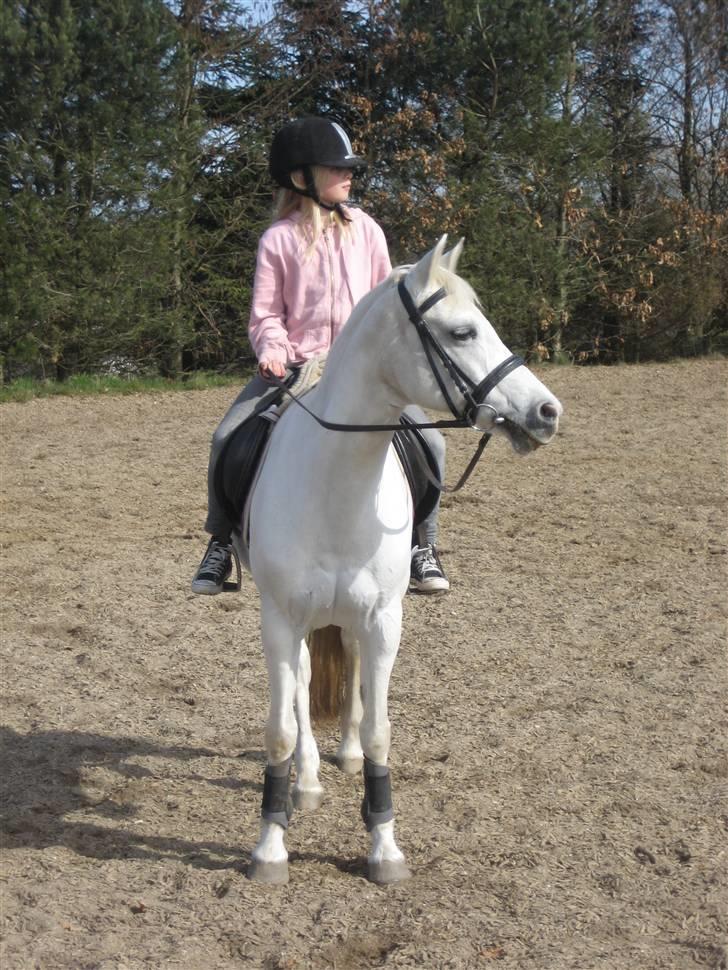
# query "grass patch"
(81, 385)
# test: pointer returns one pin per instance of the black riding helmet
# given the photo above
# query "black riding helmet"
(306, 142)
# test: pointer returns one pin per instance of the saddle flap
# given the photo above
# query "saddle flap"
(412, 450)
(237, 463)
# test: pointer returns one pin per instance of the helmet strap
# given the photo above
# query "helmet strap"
(311, 192)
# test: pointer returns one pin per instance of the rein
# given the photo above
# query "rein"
(474, 394)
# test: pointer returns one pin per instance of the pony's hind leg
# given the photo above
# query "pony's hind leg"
(307, 791)
(281, 645)
(349, 755)
(379, 645)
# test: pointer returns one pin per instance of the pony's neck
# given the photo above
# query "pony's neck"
(354, 388)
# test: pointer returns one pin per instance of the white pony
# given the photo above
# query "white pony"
(331, 526)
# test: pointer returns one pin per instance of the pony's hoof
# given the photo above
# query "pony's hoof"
(268, 873)
(307, 801)
(350, 766)
(388, 871)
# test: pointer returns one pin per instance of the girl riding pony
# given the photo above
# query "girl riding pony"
(315, 262)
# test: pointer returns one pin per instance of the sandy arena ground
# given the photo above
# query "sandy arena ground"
(558, 720)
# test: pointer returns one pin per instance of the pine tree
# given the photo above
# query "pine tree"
(85, 107)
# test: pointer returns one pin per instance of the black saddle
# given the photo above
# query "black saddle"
(239, 459)
(237, 462)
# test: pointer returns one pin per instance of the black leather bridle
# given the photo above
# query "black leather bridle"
(474, 394)
(470, 416)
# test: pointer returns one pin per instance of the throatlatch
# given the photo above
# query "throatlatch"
(376, 806)
(277, 805)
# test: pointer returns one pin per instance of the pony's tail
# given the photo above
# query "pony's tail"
(327, 673)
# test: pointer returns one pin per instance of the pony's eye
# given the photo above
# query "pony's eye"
(463, 333)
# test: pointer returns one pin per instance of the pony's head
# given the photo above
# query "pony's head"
(456, 351)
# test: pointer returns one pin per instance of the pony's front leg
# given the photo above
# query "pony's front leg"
(379, 645)
(281, 645)
(307, 791)
(349, 755)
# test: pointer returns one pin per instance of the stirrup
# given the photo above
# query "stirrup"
(229, 586)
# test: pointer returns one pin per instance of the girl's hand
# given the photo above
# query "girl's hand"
(266, 368)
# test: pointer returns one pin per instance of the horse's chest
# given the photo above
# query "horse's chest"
(332, 509)
(331, 544)
(322, 590)
(358, 597)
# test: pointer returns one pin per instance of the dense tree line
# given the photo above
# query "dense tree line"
(580, 146)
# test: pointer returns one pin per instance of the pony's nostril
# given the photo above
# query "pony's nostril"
(549, 411)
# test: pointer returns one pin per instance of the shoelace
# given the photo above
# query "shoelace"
(425, 559)
(217, 559)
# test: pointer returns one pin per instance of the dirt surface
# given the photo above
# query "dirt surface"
(558, 719)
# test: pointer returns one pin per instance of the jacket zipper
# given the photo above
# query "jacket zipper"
(330, 258)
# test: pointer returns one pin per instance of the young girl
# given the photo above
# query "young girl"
(314, 263)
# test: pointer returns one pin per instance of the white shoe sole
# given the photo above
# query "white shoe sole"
(206, 588)
(435, 585)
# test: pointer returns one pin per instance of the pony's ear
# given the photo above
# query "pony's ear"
(450, 260)
(422, 273)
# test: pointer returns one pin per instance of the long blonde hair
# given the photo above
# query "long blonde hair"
(314, 219)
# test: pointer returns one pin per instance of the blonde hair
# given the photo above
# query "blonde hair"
(314, 219)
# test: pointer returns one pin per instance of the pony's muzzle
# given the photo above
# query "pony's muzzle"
(543, 421)
(550, 411)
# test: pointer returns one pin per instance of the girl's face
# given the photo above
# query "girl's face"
(333, 184)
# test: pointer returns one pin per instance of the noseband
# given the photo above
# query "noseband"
(476, 414)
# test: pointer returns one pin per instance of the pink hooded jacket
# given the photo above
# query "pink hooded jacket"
(301, 301)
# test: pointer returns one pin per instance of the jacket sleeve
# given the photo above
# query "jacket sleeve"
(267, 326)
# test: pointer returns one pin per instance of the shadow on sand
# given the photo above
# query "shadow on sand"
(43, 788)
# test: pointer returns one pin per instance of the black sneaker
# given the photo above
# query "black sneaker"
(216, 566)
(427, 574)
